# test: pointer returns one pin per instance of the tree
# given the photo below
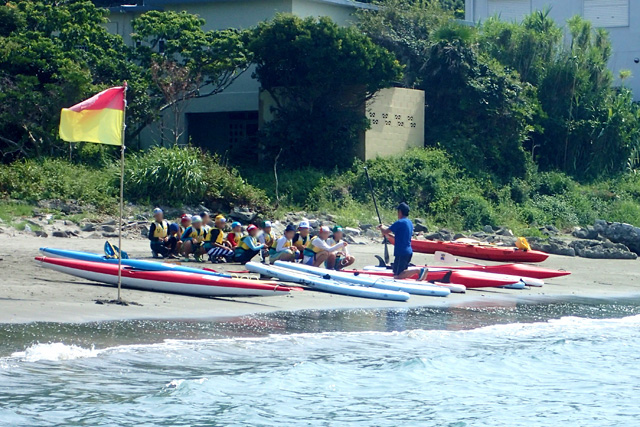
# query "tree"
(185, 61)
(585, 127)
(476, 108)
(53, 55)
(319, 75)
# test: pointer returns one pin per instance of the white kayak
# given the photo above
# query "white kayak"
(415, 288)
(325, 285)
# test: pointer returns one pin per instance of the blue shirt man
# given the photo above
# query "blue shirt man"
(402, 252)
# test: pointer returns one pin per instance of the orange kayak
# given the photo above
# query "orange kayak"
(485, 252)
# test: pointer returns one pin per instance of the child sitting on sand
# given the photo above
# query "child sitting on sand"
(282, 249)
(216, 246)
(320, 251)
(236, 234)
(161, 245)
(343, 257)
(192, 239)
(248, 247)
(301, 239)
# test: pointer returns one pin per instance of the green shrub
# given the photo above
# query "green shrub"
(34, 180)
(475, 212)
(178, 176)
(626, 211)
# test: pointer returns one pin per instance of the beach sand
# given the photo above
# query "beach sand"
(29, 293)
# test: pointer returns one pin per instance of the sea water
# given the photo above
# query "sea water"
(559, 364)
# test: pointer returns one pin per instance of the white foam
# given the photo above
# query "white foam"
(54, 352)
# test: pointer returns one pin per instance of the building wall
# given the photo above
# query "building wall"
(625, 39)
(397, 122)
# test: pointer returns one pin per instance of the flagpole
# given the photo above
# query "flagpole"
(122, 148)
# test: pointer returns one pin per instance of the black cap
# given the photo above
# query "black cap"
(290, 227)
(404, 208)
(203, 213)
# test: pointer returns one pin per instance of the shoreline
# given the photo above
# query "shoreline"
(30, 294)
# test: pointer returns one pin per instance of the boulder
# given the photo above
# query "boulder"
(504, 231)
(434, 236)
(61, 233)
(488, 229)
(418, 221)
(588, 233)
(352, 231)
(459, 236)
(314, 223)
(596, 249)
(366, 227)
(88, 227)
(617, 232)
(552, 246)
(243, 215)
(108, 228)
(40, 233)
(372, 233)
(420, 228)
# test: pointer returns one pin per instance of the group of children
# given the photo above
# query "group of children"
(197, 235)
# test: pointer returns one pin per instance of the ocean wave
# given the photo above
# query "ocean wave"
(54, 352)
(566, 327)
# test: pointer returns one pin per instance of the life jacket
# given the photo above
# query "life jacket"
(216, 235)
(311, 249)
(242, 245)
(194, 233)
(274, 245)
(269, 239)
(207, 233)
(304, 240)
(162, 229)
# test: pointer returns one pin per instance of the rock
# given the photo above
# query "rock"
(480, 235)
(109, 235)
(418, 221)
(108, 228)
(420, 228)
(330, 217)
(352, 231)
(505, 232)
(88, 227)
(589, 233)
(552, 229)
(61, 233)
(243, 215)
(366, 227)
(372, 233)
(109, 222)
(40, 233)
(459, 236)
(433, 236)
(488, 229)
(596, 249)
(314, 223)
(2, 230)
(617, 232)
(552, 246)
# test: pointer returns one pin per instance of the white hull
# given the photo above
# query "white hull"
(184, 288)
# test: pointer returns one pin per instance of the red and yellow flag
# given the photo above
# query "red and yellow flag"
(98, 119)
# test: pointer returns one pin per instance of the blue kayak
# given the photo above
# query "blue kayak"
(133, 263)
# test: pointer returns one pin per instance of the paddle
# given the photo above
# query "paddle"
(375, 204)
(449, 259)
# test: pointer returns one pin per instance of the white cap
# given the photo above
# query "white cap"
(304, 224)
(196, 218)
(267, 224)
(325, 229)
(157, 211)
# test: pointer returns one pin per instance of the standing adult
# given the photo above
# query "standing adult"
(402, 229)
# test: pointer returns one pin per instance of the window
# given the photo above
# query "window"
(607, 13)
(509, 10)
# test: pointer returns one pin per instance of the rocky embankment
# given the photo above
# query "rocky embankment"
(603, 240)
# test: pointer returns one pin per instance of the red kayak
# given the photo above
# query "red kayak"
(470, 279)
(165, 281)
(486, 252)
(521, 270)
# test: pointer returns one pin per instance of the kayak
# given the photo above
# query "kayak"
(385, 272)
(485, 252)
(165, 281)
(138, 264)
(415, 288)
(326, 285)
(470, 279)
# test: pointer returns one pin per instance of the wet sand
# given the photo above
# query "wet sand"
(29, 293)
